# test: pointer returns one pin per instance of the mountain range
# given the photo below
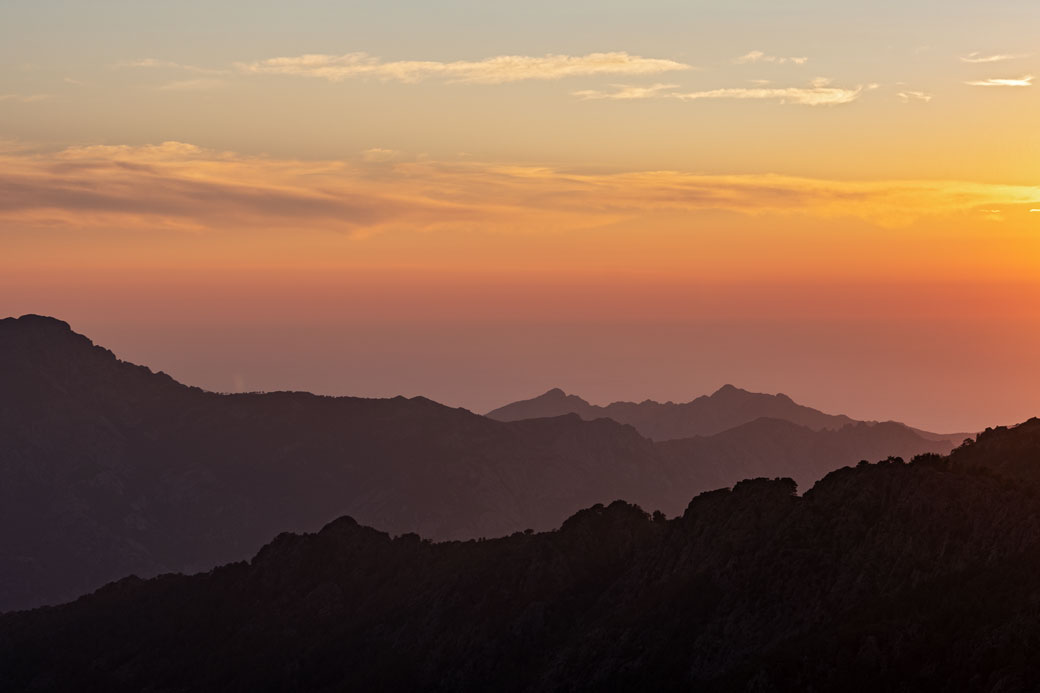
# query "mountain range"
(891, 576)
(108, 469)
(707, 415)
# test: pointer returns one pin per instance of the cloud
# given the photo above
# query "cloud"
(496, 70)
(760, 57)
(1026, 81)
(192, 85)
(24, 98)
(377, 155)
(977, 57)
(153, 63)
(908, 96)
(626, 92)
(818, 93)
(176, 186)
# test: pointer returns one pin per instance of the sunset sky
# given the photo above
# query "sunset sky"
(477, 201)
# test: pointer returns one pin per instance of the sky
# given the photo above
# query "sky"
(478, 201)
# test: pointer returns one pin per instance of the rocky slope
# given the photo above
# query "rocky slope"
(902, 577)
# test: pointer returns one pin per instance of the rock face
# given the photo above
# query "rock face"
(893, 576)
(727, 408)
(108, 469)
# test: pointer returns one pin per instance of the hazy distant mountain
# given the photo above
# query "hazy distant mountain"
(901, 577)
(727, 408)
(773, 447)
(108, 469)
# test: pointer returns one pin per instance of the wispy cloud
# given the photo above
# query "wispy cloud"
(178, 186)
(625, 92)
(377, 155)
(192, 85)
(496, 70)
(1026, 81)
(24, 98)
(761, 57)
(908, 96)
(154, 63)
(977, 57)
(818, 93)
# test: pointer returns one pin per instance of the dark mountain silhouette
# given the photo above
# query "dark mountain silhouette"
(108, 469)
(727, 408)
(891, 576)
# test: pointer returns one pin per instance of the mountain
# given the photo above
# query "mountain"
(774, 447)
(727, 408)
(108, 469)
(892, 576)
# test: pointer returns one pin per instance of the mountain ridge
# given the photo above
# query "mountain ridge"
(108, 469)
(887, 576)
(724, 409)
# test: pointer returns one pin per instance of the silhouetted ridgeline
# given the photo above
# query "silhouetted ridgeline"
(901, 577)
(707, 415)
(108, 469)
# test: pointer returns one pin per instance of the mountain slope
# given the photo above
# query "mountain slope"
(725, 409)
(108, 469)
(892, 576)
(773, 447)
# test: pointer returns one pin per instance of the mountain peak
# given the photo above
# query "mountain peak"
(36, 333)
(31, 321)
(728, 390)
(555, 393)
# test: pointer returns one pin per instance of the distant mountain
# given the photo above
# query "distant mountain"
(727, 408)
(901, 577)
(772, 447)
(109, 469)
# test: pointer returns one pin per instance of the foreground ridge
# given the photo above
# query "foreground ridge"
(887, 576)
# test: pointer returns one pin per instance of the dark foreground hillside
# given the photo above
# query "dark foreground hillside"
(108, 469)
(893, 577)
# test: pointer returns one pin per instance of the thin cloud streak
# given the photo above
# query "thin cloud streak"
(976, 58)
(495, 70)
(819, 93)
(761, 57)
(176, 186)
(192, 85)
(1026, 81)
(25, 98)
(625, 92)
(908, 96)
(154, 63)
